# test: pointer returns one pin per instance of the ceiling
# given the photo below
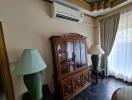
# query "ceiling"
(92, 5)
(94, 8)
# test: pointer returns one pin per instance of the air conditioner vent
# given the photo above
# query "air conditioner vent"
(67, 17)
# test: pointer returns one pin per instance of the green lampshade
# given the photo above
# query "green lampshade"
(30, 62)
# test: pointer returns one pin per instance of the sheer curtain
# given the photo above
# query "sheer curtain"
(120, 58)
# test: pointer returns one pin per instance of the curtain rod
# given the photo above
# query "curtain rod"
(123, 9)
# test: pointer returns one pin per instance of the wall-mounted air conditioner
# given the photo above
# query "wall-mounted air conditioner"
(64, 12)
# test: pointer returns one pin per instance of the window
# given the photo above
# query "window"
(120, 58)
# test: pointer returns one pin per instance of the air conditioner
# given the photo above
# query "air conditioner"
(64, 12)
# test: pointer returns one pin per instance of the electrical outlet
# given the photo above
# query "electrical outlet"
(12, 59)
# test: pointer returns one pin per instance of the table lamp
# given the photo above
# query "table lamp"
(96, 52)
(30, 65)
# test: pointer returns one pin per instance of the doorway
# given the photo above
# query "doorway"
(6, 86)
(2, 93)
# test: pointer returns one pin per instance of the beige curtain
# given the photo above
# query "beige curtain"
(108, 29)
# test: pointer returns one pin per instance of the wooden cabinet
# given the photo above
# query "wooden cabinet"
(71, 73)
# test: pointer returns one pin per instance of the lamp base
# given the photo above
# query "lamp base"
(33, 83)
(96, 61)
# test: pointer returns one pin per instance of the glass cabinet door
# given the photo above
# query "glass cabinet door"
(72, 55)
(80, 53)
(77, 52)
(83, 53)
(62, 53)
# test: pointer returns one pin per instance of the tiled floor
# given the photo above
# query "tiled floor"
(102, 91)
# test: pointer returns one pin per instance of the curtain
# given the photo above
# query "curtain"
(108, 29)
(120, 58)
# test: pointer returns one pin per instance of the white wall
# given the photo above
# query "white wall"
(96, 32)
(28, 24)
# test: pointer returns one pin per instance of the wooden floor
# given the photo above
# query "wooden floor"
(102, 91)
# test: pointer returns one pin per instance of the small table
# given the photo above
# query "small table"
(97, 72)
(124, 93)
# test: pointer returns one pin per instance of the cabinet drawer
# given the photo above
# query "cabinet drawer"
(78, 81)
(86, 77)
(67, 88)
